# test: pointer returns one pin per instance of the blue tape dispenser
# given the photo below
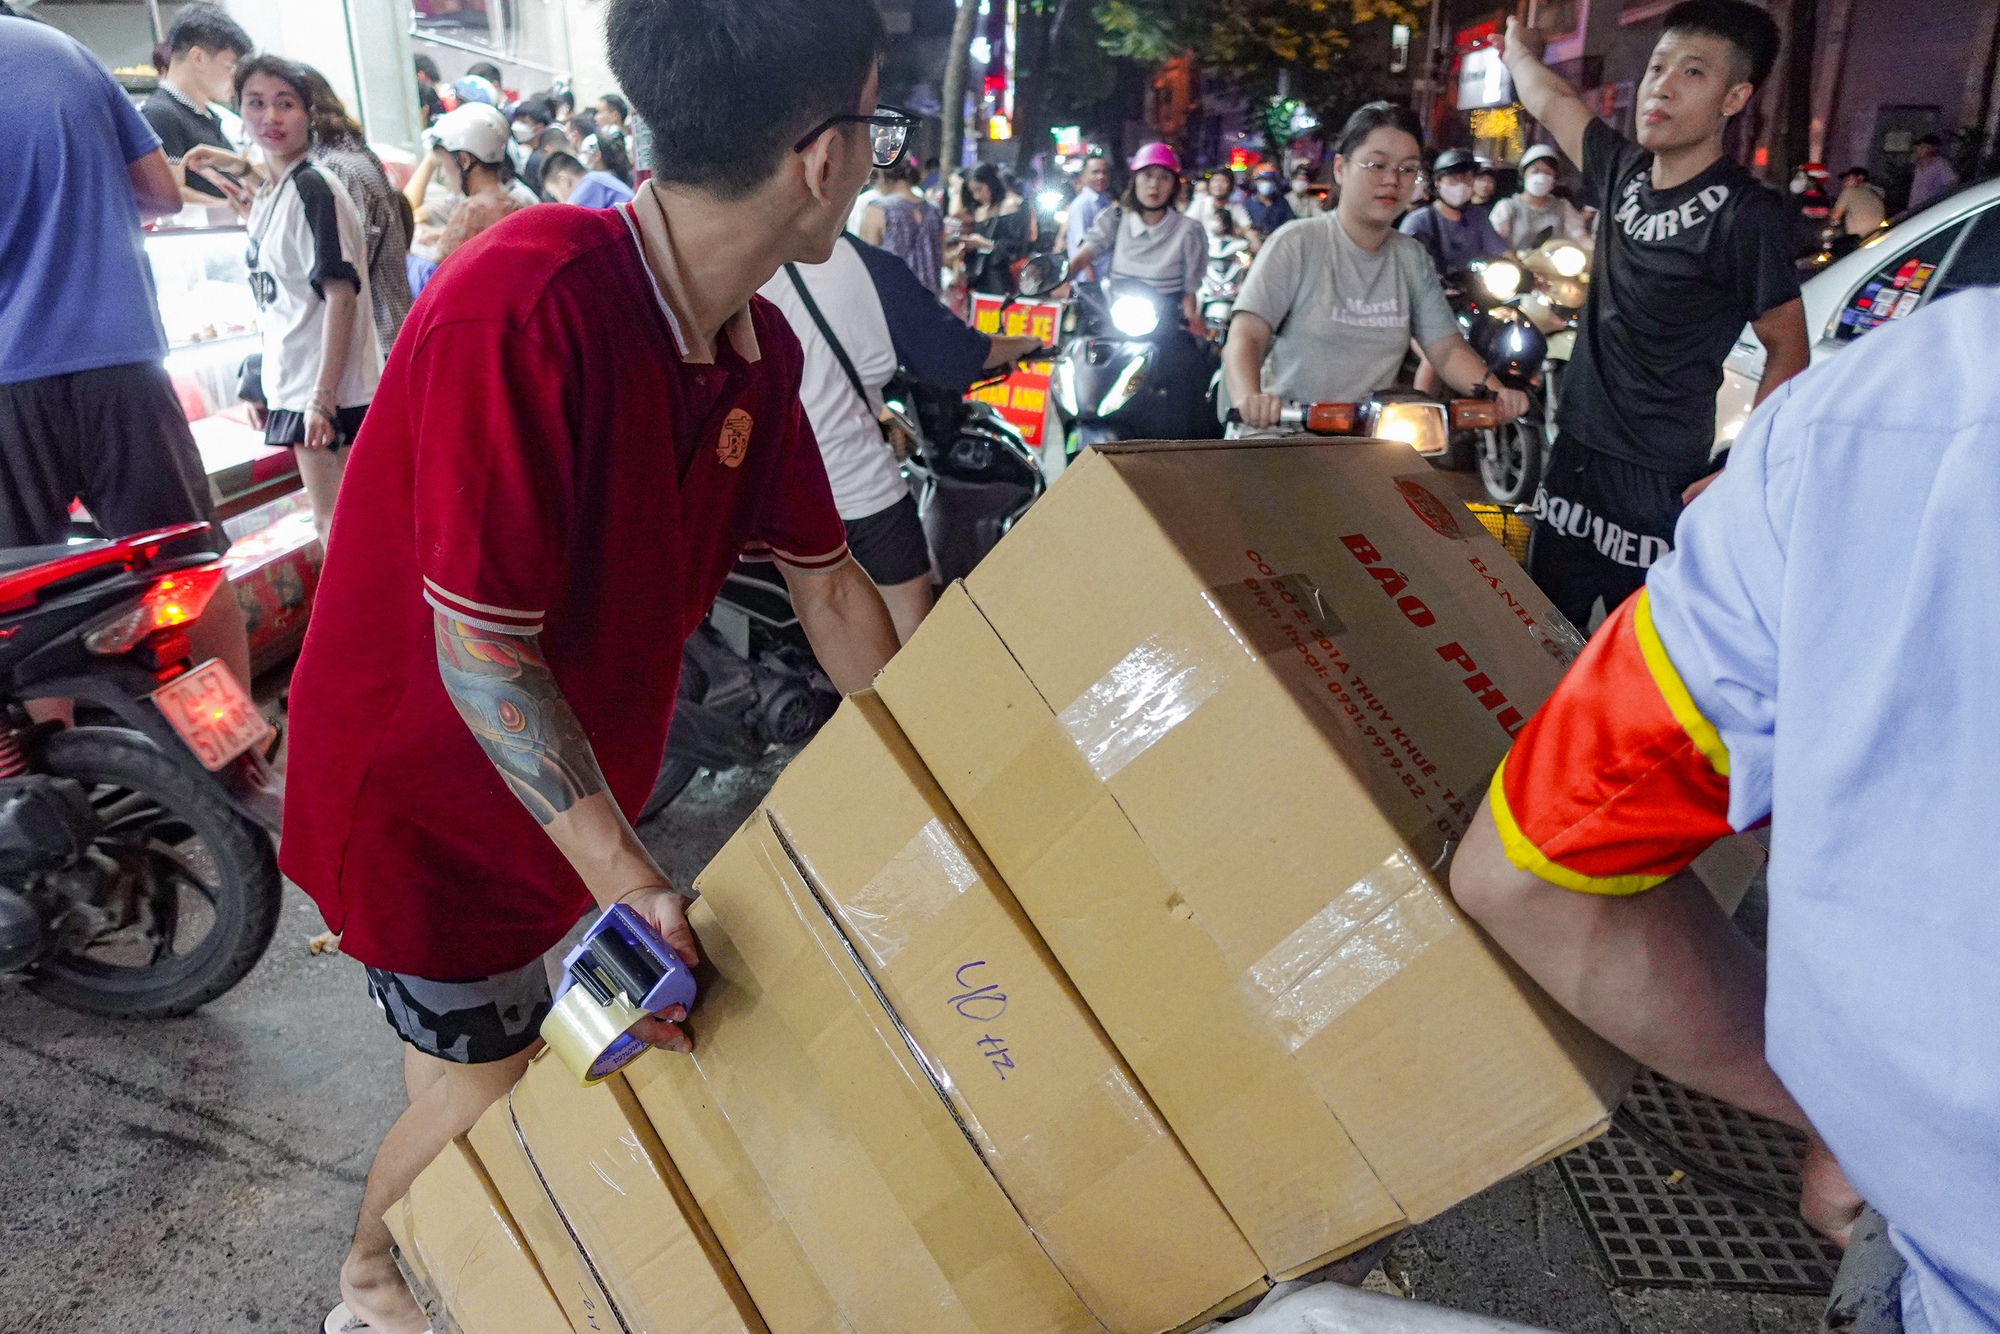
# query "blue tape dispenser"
(621, 973)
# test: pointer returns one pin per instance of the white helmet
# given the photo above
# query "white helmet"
(1541, 153)
(474, 128)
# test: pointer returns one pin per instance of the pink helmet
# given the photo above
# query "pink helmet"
(1157, 155)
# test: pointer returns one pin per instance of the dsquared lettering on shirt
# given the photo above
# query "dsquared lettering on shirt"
(1489, 695)
(1649, 227)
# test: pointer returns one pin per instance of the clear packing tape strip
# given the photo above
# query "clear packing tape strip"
(562, 1215)
(1108, 1121)
(1371, 930)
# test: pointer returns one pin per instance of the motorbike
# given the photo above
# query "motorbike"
(1229, 261)
(749, 680)
(134, 882)
(1130, 370)
(1520, 314)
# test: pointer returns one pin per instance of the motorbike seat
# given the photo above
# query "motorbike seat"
(25, 558)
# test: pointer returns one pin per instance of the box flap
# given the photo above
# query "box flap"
(455, 1232)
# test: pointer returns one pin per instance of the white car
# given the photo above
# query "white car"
(1953, 244)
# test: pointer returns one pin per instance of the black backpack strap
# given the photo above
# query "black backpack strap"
(826, 332)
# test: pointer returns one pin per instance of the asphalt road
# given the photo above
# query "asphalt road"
(200, 1176)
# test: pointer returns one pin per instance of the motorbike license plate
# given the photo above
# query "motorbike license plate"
(212, 713)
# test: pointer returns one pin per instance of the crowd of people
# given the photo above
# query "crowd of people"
(546, 467)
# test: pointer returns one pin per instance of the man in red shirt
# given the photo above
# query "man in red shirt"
(586, 421)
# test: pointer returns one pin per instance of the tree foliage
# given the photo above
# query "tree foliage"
(1335, 52)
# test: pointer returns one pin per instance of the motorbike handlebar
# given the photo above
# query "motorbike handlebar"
(1464, 414)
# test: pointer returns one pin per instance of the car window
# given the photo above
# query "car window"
(1894, 290)
(1976, 262)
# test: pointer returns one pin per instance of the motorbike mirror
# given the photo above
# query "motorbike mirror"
(1474, 414)
(1043, 274)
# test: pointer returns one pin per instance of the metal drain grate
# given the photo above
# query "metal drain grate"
(1688, 1192)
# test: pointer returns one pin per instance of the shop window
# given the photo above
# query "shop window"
(1896, 288)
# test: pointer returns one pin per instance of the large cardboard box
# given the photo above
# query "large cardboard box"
(858, 824)
(846, 1193)
(1218, 714)
(460, 1241)
(605, 1211)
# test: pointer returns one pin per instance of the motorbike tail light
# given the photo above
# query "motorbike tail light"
(1474, 414)
(174, 599)
(1330, 418)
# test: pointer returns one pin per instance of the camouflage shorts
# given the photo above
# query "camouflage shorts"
(472, 1023)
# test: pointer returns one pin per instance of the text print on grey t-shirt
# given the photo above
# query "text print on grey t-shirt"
(1343, 316)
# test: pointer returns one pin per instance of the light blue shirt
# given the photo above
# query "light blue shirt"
(1833, 603)
(1083, 211)
(600, 189)
(76, 291)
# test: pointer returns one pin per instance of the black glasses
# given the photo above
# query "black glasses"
(888, 130)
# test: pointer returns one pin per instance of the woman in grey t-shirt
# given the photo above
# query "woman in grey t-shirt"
(1332, 303)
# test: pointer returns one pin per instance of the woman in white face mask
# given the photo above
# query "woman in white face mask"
(1522, 218)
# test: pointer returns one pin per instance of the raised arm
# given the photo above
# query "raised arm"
(1543, 92)
(502, 687)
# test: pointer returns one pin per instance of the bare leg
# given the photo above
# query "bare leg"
(908, 604)
(445, 1106)
(320, 470)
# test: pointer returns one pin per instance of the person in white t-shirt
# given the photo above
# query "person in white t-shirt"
(1538, 208)
(308, 258)
(881, 316)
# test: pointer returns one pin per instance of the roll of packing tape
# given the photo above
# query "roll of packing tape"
(621, 973)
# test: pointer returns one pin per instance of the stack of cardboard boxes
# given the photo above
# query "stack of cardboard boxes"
(1098, 970)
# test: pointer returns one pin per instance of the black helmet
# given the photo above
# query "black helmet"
(1453, 159)
(1512, 348)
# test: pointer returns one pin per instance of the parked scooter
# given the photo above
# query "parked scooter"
(1130, 370)
(749, 680)
(133, 882)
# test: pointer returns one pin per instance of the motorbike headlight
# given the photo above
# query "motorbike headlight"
(1127, 384)
(1568, 260)
(1421, 426)
(1501, 278)
(1135, 316)
(1065, 387)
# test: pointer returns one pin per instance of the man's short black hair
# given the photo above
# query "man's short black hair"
(617, 104)
(488, 71)
(207, 27)
(1862, 172)
(428, 68)
(560, 164)
(1745, 27)
(1932, 140)
(536, 109)
(728, 86)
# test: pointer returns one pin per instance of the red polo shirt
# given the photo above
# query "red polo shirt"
(544, 456)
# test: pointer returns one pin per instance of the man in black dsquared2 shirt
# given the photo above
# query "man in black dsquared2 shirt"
(1690, 248)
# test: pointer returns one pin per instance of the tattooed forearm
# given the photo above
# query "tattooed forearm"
(504, 690)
